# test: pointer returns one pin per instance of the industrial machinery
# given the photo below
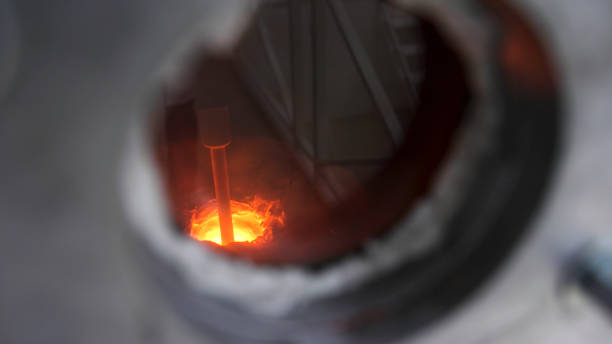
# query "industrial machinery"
(306, 171)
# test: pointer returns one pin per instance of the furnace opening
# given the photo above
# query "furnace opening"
(318, 132)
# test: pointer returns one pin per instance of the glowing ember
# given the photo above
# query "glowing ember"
(252, 221)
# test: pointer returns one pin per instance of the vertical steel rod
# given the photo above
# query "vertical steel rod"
(214, 128)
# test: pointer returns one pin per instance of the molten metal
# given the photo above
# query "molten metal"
(252, 221)
(223, 220)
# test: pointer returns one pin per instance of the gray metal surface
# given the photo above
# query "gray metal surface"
(66, 274)
(85, 69)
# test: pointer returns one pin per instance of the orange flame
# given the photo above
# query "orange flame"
(253, 221)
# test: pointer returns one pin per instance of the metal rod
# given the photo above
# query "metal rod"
(406, 69)
(222, 193)
(276, 67)
(214, 128)
(317, 32)
(367, 72)
(302, 68)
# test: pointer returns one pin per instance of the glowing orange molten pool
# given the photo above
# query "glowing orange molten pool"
(252, 220)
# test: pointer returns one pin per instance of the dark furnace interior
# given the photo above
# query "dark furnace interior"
(331, 137)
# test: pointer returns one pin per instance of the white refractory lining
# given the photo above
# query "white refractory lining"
(276, 291)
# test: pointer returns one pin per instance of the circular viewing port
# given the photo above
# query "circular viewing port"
(318, 132)
(383, 163)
